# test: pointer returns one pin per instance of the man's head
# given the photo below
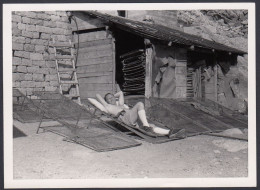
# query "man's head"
(110, 99)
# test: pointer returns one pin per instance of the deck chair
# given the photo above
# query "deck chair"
(149, 137)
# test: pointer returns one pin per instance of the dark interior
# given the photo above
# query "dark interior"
(125, 43)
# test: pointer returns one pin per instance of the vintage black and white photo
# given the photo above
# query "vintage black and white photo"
(122, 94)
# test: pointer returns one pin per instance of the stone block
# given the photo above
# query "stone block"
(50, 12)
(30, 34)
(23, 54)
(28, 14)
(28, 77)
(37, 22)
(38, 63)
(63, 25)
(38, 77)
(50, 88)
(29, 91)
(29, 47)
(54, 83)
(33, 69)
(17, 46)
(55, 17)
(43, 29)
(21, 69)
(51, 50)
(21, 26)
(27, 34)
(50, 64)
(17, 61)
(45, 36)
(39, 42)
(50, 77)
(61, 38)
(43, 71)
(59, 31)
(52, 71)
(36, 56)
(14, 68)
(27, 84)
(26, 20)
(48, 57)
(49, 24)
(41, 84)
(43, 16)
(26, 62)
(30, 28)
(61, 13)
(17, 77)
(16, 32)
(27, 40)
(16, 18)
(39, 89)
(39, 48)
(17, 84)
(64, 19)
(19, 39)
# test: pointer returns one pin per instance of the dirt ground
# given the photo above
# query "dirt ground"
(47, 156)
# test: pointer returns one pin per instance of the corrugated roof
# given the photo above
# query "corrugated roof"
(163, 33)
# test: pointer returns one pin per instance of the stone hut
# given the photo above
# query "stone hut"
(169, 62)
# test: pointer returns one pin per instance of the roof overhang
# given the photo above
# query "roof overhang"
(162, 33)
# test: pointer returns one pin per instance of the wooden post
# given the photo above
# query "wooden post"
(216, 82)
(113, 64)
(148, 72)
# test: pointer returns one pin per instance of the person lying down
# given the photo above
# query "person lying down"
(130, 116)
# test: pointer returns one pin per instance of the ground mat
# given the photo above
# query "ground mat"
(96, 138)
(17, 133)
(78, 124)
(183, 114)
(23, 111)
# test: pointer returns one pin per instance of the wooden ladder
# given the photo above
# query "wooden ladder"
(64, 57)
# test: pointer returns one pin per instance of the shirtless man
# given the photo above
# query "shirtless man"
(129, 116)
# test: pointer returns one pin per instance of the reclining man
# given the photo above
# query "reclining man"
(131, 116)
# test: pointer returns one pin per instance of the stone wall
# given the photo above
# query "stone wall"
(33, 60)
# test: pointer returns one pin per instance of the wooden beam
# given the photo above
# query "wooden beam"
(113, 65)
(148, 72)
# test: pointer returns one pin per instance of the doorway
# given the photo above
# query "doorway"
(201, 80)
(130, 63)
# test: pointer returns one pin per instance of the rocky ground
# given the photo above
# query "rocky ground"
(228, 27)
(47, 156)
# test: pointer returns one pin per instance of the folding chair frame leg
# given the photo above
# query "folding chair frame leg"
(39, 126)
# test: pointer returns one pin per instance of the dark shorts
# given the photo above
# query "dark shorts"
(129, 117)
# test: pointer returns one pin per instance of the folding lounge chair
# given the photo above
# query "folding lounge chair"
(149, 137)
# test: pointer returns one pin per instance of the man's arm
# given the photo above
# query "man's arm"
(120, 96)
(101, 100)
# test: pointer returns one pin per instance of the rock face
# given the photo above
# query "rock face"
(229, 27)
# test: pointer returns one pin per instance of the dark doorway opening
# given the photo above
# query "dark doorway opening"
(130, 63)
(200, 72)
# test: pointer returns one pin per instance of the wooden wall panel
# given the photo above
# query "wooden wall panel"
(96, 87)
(97, 80)
(91, 36)
(85, 22)
(94, 61)
(103, 67)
